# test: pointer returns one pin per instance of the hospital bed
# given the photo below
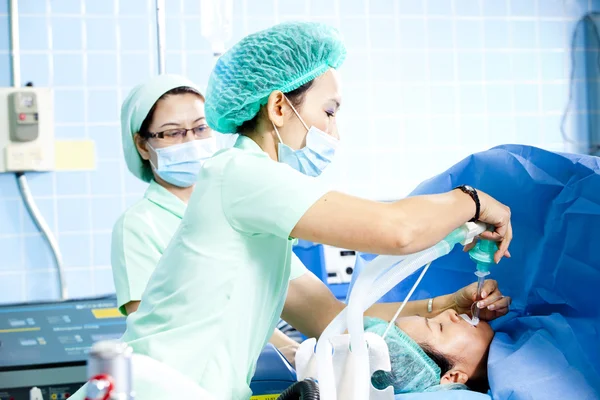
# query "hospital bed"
(548, 346)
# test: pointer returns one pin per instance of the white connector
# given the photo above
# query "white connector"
(473, 229)
(35, 394)
(472, 321)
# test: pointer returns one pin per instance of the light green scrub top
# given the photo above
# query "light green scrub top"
(217, 293)
(139, 239)
(141, 236)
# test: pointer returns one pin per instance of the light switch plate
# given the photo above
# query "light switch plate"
(28, 157)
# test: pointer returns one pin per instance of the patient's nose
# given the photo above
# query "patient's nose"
(453, 315)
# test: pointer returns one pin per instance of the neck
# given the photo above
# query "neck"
(182, 194)
(267, 141)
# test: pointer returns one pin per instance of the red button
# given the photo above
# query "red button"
(22, 117)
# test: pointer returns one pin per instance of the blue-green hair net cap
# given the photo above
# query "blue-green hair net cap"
(134, 111)
(412, 370)
(282, 58)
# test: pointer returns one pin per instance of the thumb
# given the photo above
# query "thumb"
(470, 246)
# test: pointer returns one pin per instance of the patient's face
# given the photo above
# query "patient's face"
(451, 335)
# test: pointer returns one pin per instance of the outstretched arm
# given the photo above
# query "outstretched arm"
(310, 306)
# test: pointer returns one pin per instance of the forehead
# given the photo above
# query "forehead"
(179, 103)
(414, 326)
(177, 107)
(327, 86)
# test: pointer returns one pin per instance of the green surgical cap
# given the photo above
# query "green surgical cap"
(412, 370)
(134, 110)
(283, 58)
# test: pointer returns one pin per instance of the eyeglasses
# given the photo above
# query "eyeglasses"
(177, 135)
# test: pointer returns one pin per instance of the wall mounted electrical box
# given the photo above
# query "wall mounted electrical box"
(26, 129)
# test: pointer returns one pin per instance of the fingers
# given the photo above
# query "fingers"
(489, 287)
(489, 315)
(493, 236)
(499, 216)
(497, 309)
(495, 302)
(504, 241)
(503, 248)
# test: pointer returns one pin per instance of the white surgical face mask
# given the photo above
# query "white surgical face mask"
(312, 159)
(180, 164)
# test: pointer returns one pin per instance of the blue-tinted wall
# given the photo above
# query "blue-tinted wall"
(426, 83)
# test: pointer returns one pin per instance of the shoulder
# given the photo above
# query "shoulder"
(234, 167)
(255, 166)
(137, 218)
(235, 157)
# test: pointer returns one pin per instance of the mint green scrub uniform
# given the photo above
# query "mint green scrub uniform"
(216, 295)
(139, 239)
(141, 236)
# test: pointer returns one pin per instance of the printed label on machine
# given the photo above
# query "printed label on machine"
(55, 332)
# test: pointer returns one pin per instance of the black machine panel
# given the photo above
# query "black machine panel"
(50, 333)
(47, 344)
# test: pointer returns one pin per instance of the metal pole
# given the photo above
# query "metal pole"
(14, 44)
(161, 35)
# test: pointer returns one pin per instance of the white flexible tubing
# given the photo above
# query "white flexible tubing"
(384, 284)
(443, 247)
(336, 327)
(363, 301)
(406, 299)
(395, 276)
(363, 284)
(339, 324)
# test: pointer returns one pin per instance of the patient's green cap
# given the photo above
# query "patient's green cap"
(412, 370)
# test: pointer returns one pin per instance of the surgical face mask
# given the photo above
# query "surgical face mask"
(180, 164)
(312, 159)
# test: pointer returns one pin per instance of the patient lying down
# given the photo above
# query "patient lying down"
(443, 351)
(440, 353)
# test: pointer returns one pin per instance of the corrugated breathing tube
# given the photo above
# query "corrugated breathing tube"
(303, 390)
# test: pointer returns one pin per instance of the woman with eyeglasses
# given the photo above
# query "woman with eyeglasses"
(165, 142)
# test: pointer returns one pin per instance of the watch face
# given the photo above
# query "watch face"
(469, 188)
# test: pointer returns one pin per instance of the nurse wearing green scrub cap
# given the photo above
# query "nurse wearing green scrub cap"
(165, 141)
(210, 316)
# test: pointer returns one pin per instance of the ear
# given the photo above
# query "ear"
(275, 106)
(140, 144)
(454, 376)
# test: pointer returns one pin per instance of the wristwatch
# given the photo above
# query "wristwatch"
(473, 193)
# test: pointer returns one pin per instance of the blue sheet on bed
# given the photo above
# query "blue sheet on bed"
(548, 347)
